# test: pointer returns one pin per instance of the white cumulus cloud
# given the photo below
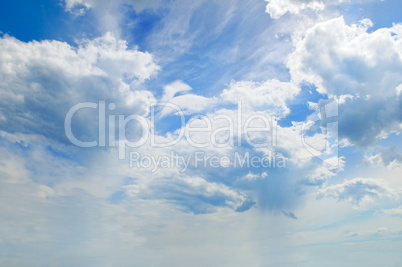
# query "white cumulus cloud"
(277, 8)
(40, 81)
(360, 68)
(359, 191)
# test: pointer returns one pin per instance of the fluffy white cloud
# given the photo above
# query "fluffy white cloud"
(269, 95)
(177, 94)
(321, 174)
(277, 8)
(252, 176)
(115, 59)
(341, 59)
(40, 81)
(361, 69)
(359, 191)
(389, 157)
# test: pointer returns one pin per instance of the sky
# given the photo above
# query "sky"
(200, 133)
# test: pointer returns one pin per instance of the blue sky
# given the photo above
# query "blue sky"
(316, 181)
